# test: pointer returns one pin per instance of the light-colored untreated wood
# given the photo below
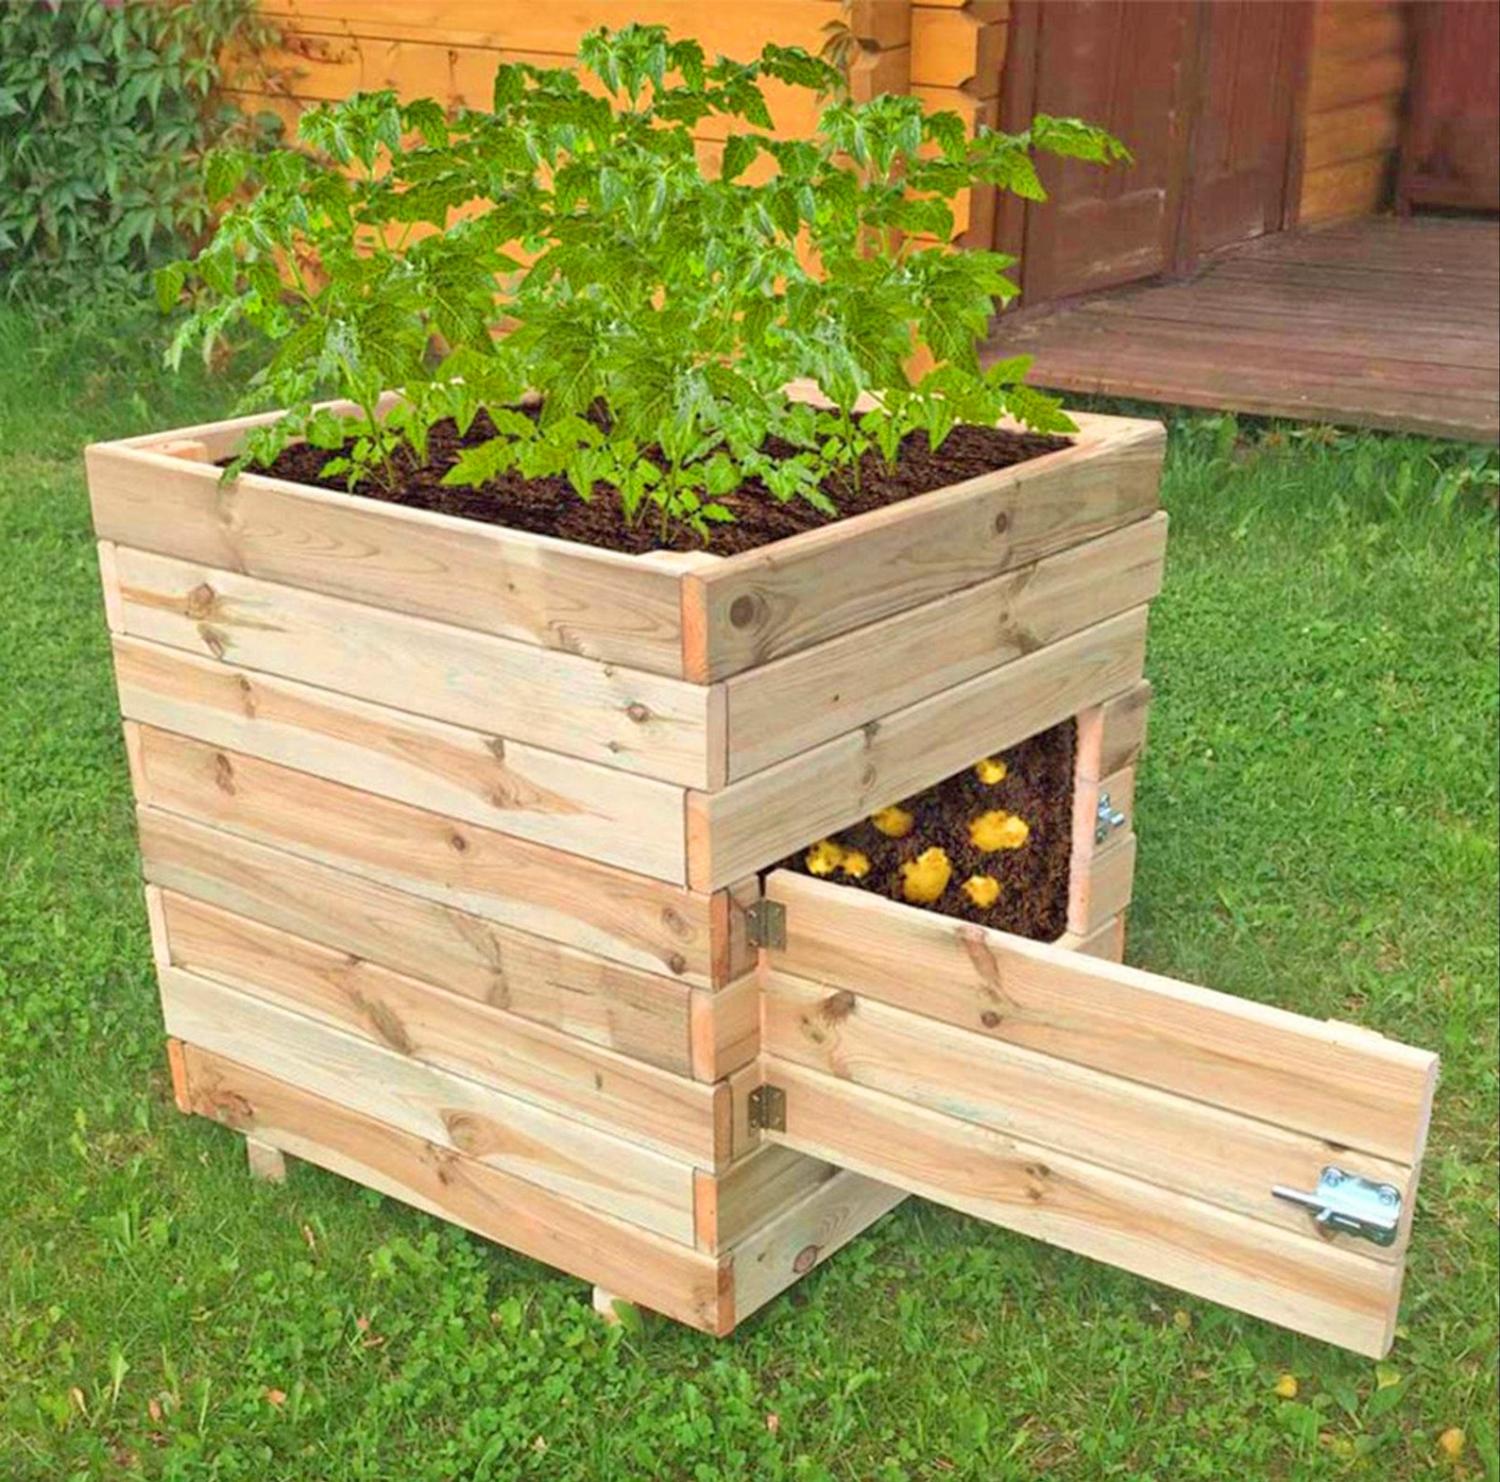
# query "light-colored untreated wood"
(529, 588)
(1100, 883)
(780, 1253)
(1327, 1080)
(760, 605)
(765, 817)
(1112, 736)
(680, 1117)
(733, 1204)
(661, 1274)
(1297, 1280)
(1107, 941)
(615, 817)
(725, 1028)
(642, 1015)
(1225, 1158)
(779, 709)
(622, 916)
(623, 718)
(534, 1143)
(265, 1162)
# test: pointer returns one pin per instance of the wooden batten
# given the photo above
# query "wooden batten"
(763, 604)
(618, 915)
(580, 807)
(642, 1015)
(675, 1115)
(765, 817)
(664, 1275)
(532, 1142)
(622, 718)
(527, 588)
(725, 1028)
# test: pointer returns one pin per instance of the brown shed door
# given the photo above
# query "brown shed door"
(1123, 1116)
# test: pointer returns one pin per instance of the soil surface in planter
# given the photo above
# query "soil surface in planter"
(550, 507)
(1037, 787)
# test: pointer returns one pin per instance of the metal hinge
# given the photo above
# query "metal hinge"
(766, 923)
(1350, 1205)
(767, 1109)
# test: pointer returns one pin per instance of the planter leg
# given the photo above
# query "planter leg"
(604, 1305)
(265, 1161)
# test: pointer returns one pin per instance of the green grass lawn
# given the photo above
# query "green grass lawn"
(1317, 815)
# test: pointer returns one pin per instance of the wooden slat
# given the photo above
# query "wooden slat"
(677, 1116)
(1112, 736)
(733, 1204)
(657, 1273)
(1354, 79)
(615, 817)
(779, 709)
(622, 916)
(1100, 884)
(621, 718)
(620, 1178)
(953, 47)
(757, 606)
(725, 1028)
(641, 1015)
(1354, 131)
(1193, 1147)
(1327, 1080)
(528, 588)
(754, 822)
(780, 1253)
(1296, 1280)
(1353, 188)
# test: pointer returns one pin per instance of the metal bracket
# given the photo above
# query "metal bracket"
(767, 1109)
(766, 923)
(1347, 1204)
(1106, 819)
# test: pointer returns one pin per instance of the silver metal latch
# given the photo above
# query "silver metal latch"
(1351, 1205)
(1107, 819)
(767, 1109)
(766, 923)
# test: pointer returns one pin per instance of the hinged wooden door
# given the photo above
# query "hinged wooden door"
(1139, 1120)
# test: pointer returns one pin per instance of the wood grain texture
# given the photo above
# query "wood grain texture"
(661, 1274)
(673, 1114)
(725, 1027)
(1326, 1080)
(753, 1191)
(1107, 941)
(791, 704)
(264, 1161)
(759, 605)
(534, 1143)
(1224, 1158)
(625, 917)
(528, 588)
(763, 818)
(1100, 884)
(1112, 736)
(615, 817)
(621, 718)
(642, 1015)
(1294, 1279)
(822, 1222)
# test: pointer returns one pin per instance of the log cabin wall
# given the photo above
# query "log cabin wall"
(1356, 83)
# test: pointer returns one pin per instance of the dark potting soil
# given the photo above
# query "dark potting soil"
(550, 507)
(1038, 786)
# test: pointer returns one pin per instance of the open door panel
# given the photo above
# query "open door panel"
(1125, 1116)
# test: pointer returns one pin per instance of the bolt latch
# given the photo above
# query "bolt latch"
(1107, 819)
(1347, 1204)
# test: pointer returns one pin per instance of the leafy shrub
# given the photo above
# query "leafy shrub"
(105, 113)
(657, 310)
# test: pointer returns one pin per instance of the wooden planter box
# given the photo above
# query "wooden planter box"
(452, 838)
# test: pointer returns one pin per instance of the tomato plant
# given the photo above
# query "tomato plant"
(568, 244)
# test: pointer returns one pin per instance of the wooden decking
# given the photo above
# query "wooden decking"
(1376, 323)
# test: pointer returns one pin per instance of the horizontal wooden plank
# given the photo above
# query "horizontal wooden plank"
(763, 818)
(621, 718)
(673, 1114)
(622, 916)
(528, 588)
(1353, 132)
(615, 817)
(1112, 736)
(953, 47)
(725, 1027)
(1296, 1280)
(1221, 1157)
(733, 1204)
(619, 1178)
(657, 1273)
(1353, 188)
(1327, 1080)
(780, 1253)
(779, 709)
(1100, 884)
(754, 607)
(639, 1014)
(1353, 79)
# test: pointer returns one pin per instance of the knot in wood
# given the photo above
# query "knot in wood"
(990, 1019)
(200, 601)
(639, 713)
(806, 1259)
(458, 843)
(838, 1006)
(674, 921)
(223, 772)
(743, 611)
(1002, 522)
